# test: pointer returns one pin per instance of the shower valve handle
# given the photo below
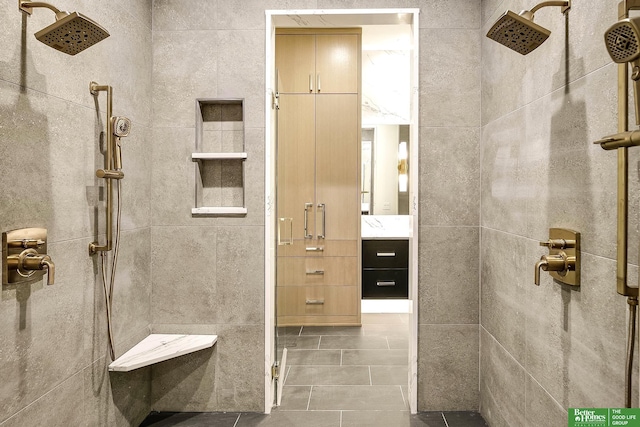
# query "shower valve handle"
(559, 243)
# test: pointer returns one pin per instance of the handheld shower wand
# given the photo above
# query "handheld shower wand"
(120, 126)
(623, 44)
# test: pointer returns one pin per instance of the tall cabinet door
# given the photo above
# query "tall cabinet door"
(296, 164)
(337, 174)
(337, 63)
(296, 62)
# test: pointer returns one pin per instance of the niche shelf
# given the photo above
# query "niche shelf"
(157, 348)
(219, 158)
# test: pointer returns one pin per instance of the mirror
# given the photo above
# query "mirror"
(386, 65)
(385, 167)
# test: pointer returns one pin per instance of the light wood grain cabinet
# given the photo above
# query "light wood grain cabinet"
(318, 177)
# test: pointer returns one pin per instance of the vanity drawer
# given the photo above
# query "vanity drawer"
(317, 301)
(385, 283)
(329, 271)
(385, 253)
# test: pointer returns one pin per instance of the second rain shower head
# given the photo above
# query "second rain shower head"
(71, 33)
(518, 31)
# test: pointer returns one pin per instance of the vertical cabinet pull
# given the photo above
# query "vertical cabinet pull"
(319, 83)
(324, 223)
(306, 221)
(310, 82)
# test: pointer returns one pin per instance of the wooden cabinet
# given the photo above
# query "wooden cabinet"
(318, 63)
(318, 280)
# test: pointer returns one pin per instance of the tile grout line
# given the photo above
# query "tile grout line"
(309, 400)
(445, 420)
(370, 380)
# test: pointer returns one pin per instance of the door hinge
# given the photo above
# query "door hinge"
(275, 371)
(275, 98)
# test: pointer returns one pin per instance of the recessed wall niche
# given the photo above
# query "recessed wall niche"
(219, 157)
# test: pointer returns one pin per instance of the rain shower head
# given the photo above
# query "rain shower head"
(518, 32)
(71, 33)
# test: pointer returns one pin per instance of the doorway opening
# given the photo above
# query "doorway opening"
(375, 115)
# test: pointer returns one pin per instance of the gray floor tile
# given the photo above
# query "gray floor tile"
(385, 318)
(299, 342)
(375, 357)
(353, 342)
(191, 419)
(464, 419)
(332, 330)
(313, 357)
(288, 331)
(398, 343)
(295, 398)
(279, 418)
(356, 398)
(396, 331)
(428, 419)
(329, 375)
(375, 418)
(389, 375)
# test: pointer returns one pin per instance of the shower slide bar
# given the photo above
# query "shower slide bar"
(109, 172)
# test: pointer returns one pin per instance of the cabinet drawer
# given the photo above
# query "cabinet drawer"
(328, 271)
(385, 253)
(385, 283)
(319, 247)
(317, 300)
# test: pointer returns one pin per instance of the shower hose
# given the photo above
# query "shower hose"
(633, 305)
(108, 289)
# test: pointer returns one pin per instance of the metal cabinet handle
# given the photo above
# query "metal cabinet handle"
(318, 83)
(314, 302)
(306, 221)
(386, 283)
(385, 254)
(324, 222)
(315, 272)
(314, 249)
(310, 82)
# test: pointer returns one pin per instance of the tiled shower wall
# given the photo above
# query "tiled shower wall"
(53, 349)
(548, 348)
(202, 275)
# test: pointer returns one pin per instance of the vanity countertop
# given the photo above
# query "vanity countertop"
(386, 227)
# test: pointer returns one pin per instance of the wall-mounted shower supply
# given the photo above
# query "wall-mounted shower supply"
(71, 33)
(622, 40)
(518, 31)
(110, 171)
(563, 261)
(117, 127)
(25, 256)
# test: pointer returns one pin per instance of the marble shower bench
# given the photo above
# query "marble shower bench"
(160, 347)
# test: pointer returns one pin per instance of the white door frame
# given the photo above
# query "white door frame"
(337, 18)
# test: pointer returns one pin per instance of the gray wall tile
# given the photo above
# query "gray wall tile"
(448, 367)
(450, 176)
(448, 274)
